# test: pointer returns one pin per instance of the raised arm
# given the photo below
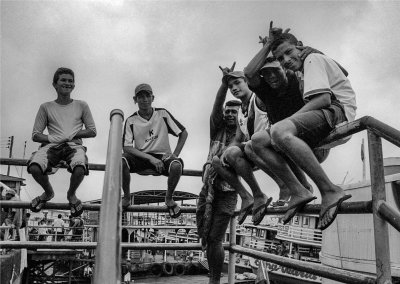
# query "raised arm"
(217, 113)
(251, 71)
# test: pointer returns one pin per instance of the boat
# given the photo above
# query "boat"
(298, 240)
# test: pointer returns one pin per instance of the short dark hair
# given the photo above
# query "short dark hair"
(233, 103)
(285, 37)
(59, 216)
(270, 59)
(62, 70)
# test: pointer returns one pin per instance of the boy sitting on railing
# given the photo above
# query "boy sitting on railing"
(146, 146)
(329, 101)
(64, 119)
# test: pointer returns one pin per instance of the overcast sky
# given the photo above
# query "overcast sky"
(176, 47)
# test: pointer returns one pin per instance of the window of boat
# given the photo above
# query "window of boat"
(306, 221)
(262, 233)
(296, 220)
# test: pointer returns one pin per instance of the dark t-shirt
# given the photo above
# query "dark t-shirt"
(280, 105)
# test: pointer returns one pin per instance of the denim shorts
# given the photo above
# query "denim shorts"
(313, 126)
(136, 164)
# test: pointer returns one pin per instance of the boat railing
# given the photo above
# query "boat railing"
(300, 233)
(109, 244)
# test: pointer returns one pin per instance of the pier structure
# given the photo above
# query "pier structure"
(108, 247)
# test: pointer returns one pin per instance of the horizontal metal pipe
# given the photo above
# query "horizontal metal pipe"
(389, 214)
(93, 245)
(381, 129)
(93, 167)
(317, 269)
(358, 207)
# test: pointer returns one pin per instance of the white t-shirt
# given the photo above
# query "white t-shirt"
(323, 75)
(151, 136)
(63, 121)
(58, 225)
(254, 115)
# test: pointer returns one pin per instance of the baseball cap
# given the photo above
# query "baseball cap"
(143, 87)
(271, 64)
(234, 74)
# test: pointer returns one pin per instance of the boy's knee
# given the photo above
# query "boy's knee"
(79, 171)
(280, 131)
(35, 170)
(176, 167)
(260, 140)
(232, 153)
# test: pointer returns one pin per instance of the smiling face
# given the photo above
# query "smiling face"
(65, 84)
(238, 87)
(274, 76)
(230, 115)
(288, 55)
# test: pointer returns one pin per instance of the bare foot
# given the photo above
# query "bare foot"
(330, 204)
(245, 209)
(300, 198)
(259, 208)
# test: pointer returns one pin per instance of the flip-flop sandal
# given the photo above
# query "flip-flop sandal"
(171, 211)
(262, 215)
(337, 204)
(293, 211)
(75, 212)
(37, 204)
(280, 203)
(244, 213)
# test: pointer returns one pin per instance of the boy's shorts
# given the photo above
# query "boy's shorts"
(136, 164)
(313, 126)
(51, 156)
(224, 205)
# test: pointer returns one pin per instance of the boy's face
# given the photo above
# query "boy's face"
(238, 87)
(230, 115)
(144, 100)
(274, 76)
(288, 55)
(65, 84)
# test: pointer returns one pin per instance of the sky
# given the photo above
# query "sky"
(176, 47)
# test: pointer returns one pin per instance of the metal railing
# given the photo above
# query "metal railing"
(110, 219)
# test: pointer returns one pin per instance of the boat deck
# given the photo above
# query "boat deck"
(192, 279)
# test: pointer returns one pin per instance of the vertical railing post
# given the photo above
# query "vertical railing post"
(108, 253)
(232, 242)
(381, 232)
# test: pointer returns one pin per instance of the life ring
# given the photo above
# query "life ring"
(237, 260)
(167, 268)
(257, 262)
(156, 269)
(190, 269)
(179, 269)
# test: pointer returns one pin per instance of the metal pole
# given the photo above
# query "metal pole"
(108, 253)
(232, 242)
(10, 152)
(381, 232)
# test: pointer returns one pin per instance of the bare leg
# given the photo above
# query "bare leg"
(43, 181)
(237, 160)
(126, 181)
(234, 181)
(76, 179)
(215, 258)
(174, 176)
(284, 135)
(276, 164)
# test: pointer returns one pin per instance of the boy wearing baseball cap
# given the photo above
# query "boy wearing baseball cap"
(146, 146)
